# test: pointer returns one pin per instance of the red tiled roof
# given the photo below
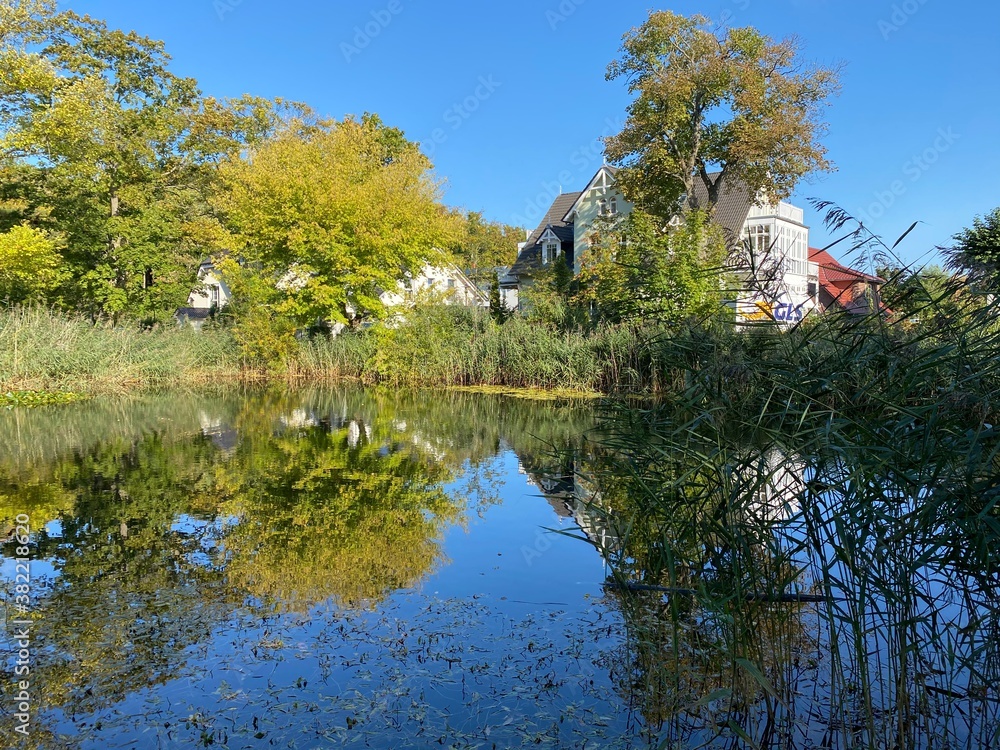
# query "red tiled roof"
(834, 271)
(839, 281)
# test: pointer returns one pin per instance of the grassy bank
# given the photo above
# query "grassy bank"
(844, 364)
(45, 351)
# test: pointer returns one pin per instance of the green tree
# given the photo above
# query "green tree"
(485, 245)
(331, 214)
(922, 295)
(102, 144)
(637, 271)
(976, 252)
(30, 265)
(733, 102)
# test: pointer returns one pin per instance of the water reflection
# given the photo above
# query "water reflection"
(248, 568)
(167, 525)
(779, 597)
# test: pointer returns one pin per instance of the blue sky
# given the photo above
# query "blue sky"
(512, 99)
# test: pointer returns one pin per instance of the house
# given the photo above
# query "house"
(211, 295)
(843, 288)
(772, 238)
(446, 282)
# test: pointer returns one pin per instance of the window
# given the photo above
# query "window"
(604, 207)
(550, 252)
(147, 279)
(614, 206)
(760, 238)
(215, 295)
(451, 283)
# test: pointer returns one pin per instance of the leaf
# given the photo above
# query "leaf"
(905, 234)
(758, 677)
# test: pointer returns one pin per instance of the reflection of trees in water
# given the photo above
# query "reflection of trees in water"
(342, 513)
(699, 655)
(169, 521)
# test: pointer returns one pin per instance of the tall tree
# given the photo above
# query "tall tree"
(101, 143)
(733, 103)
(328, 215)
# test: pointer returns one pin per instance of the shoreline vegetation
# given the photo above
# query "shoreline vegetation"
(835, 363)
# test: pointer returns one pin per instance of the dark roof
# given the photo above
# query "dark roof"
(733, 207)
(735, 202)
(530, 258)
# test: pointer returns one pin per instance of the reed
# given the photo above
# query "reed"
(811, 518)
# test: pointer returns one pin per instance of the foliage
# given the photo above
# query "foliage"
(734, 100)
(637, 272)
(104, 147)
(38, 398)
(551, 299)
(333, 214)
(30, 265)
(977, 252)
(922, 295)
(486, 245)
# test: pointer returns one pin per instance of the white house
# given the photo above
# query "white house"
(211, 295)
(445, 283)
(775, 237)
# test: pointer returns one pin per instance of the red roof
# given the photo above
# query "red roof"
(839, 281)
(831, 270)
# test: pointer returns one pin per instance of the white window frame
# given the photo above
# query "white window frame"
(550, 251)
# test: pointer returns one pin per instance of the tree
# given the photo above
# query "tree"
(976, 252)
(101, 143)
(487, 245)
(733, 102)
(333, 213)
(637, 271)
(30, 265)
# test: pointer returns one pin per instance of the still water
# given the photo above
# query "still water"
(345, 568)
(309, 569)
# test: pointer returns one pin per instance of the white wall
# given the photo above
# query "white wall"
(213, 291)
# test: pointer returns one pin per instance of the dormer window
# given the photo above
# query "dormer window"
(613, 206)
(550, 251)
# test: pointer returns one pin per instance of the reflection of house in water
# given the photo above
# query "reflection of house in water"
(780, 487)
(223, 437)
(572, 497)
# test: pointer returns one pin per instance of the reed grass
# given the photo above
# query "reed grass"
(43, 350)
(853, 460)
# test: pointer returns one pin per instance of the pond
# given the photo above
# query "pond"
(349, 568)
(309, 569)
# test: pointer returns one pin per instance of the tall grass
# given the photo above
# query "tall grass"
(808, 536)
(460, 347)
(40, 349)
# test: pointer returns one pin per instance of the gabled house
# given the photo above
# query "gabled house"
(211, 295)
(553, 241)
(772, 239)
(844, 288)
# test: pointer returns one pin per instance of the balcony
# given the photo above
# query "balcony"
(782, 211)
